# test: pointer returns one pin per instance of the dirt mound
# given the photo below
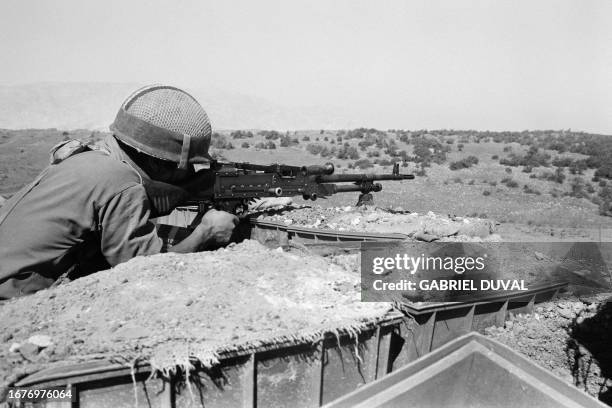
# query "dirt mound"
(171, 309)
(428, 226)
(571, 337)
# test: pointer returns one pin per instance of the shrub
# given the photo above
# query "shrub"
(245, 145)
(241, 134)
(347, 152)
(486, 193)
(220, 142)
(495, 157)
(512, 184)
(464, 163)
(270, 134)
(533, 158)
(425, 151)
(508, 170)
(509, 182)
(363, 164)
(286, 141)
(314, 148)
(471, 183)
(493, 183)
(529, 190)
(306, 139)
(384, 162)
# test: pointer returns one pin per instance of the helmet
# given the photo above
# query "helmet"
(164, 122)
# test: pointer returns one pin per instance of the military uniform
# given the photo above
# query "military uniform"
(84, 214)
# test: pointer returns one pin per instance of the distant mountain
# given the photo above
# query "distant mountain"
(94, 105)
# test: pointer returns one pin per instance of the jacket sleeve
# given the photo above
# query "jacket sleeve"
(124, 226)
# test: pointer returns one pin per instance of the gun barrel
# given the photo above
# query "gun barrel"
(325, 169)
(345, 178)
(339, 188)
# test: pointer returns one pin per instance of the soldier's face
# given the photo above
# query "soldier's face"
(166, 171)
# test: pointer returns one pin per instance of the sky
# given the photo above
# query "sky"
(498, 65)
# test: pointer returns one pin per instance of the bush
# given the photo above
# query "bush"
(471, 183)
(512, 184)
(270, 145)
(384, 162)
(306, 139)
(486, 193)
(220, 142)
(245, 145)
(509, 182)
(347, 152)
(241, 134)
(578, 188)
(507, 149)
(529, 190)
(363, 164)
(527, 169)
(533, 158)
(493, 183)
(495, 157)
(270, 134)
(286, 141)
(464, 163)
(460, 147)
(314, 148)
(426, 151)
(508, 170)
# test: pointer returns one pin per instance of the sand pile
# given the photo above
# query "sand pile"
(169, 309)
(428, 226)
(571, 337)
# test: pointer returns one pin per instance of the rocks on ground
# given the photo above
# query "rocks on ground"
(427, 227)
(571, 337)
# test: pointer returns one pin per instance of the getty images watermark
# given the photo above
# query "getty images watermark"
(450, 271)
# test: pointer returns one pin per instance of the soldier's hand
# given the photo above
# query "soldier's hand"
(217, 226)
(270, 202)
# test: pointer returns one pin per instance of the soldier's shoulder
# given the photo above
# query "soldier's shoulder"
(96, 166)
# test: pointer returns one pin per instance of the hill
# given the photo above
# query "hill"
(94, 106)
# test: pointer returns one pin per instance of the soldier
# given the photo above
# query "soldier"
(90, 209)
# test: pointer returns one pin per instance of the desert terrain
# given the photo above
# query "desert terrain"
(543, 186)
(539, 186)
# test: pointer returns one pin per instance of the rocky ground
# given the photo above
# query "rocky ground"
(169, 309)
(571, 337)
(424, 227)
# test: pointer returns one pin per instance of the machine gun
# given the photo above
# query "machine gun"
(232, 186)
